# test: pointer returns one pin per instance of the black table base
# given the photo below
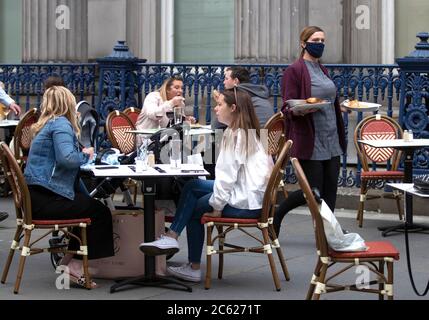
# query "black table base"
(153, 281)
(414, 227)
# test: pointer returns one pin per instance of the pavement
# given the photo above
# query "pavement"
(246, 276)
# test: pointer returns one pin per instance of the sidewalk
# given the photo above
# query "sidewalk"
(246, 276)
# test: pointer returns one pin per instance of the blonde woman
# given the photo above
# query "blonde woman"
(158, 103)
(52, 177)
(242, 172)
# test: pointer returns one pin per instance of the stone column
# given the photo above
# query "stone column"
(143, 28)
(362, 31)
(55, 31)
(268, 30)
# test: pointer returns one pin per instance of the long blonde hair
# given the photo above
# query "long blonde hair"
(57, 101)
(163, 91)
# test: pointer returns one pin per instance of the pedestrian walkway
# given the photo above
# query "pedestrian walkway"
(246, 276)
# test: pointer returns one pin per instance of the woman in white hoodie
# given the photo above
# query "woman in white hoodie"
(242, 172)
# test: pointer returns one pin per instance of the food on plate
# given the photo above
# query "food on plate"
(354, 104)
(313, 100)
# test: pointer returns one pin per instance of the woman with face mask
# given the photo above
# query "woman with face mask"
(318, 135)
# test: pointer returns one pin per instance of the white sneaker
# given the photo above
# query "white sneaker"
(185, 272)
(164, 245)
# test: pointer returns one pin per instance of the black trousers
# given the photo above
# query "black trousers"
(49, 205)
(320, 174)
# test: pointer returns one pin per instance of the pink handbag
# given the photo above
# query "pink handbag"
(128, 260)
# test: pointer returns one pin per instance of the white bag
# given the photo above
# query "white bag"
(337, 240)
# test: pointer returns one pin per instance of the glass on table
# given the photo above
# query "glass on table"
(159, 114)
(175, 153)
(5, 111)
(178, 115)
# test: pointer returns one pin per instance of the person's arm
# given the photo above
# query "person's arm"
(66, 152)
(9, 102)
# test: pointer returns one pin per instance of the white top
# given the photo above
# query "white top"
(396, 143)
(409, 188)
(240, 181)
(147, 118)
(190, 170)
(9, 123)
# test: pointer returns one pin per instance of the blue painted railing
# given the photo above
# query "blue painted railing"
(375, 83)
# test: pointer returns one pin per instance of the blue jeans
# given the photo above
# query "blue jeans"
(193, 203)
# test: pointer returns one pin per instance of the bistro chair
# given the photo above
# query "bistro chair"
(22, 136)
(26, 224)
(276, 128)
(117, 126)
(383, 253)
(264, 224)
(132, 113)
(377, 127)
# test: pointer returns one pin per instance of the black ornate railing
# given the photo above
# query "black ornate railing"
(375, 83)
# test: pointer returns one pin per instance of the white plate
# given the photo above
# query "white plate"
(301, 105)
(363, 106)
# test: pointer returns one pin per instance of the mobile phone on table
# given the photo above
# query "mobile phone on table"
(159, 170)
(106, 167)
(191, 171)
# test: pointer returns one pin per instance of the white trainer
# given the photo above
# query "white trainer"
(164, 245)
(185, 272)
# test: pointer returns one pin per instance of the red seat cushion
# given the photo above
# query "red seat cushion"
(382, 175)
(204, 220)
(376, 249)
(61, 222)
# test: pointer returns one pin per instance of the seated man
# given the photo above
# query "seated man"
(239, 77)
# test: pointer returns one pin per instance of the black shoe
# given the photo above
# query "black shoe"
(3, 216)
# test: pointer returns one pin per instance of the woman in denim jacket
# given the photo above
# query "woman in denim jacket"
(52, 177)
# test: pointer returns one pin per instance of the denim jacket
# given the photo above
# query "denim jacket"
(54, 158)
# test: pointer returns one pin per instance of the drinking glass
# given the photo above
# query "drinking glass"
(175, 153)
(178, 115)
(159, 114)
(5, 112)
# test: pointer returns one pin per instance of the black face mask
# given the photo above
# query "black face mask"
(315, 49)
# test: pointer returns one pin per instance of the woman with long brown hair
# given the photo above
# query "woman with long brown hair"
(52, 177)
(242, 172)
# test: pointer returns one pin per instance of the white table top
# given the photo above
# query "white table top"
(193, 131)
(396, 143)
(409, 188)
(127, 171)
(8, 123)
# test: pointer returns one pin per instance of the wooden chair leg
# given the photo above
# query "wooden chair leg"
(271, 259)
(314, 279)
(397, 196)
(279, 251)
(381, 281)
(221, 241)
(208, 259)
(25, 246)
(18, 233)
(390, 278)
(363, 192)
(321, 280)
(85, 258)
